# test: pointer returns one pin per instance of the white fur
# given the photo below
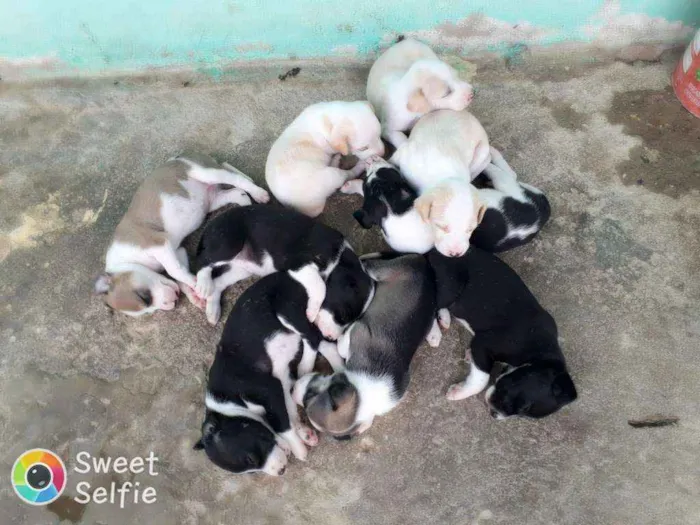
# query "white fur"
(180, 215)
(434, 335)
(377, 396)
(445, 151)
(400, 72)
(465, 324)
(475, 382)
(312, 281)
(444, 318)
(301, 168)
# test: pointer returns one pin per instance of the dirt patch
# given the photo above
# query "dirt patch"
(565, 115)
(669, 160)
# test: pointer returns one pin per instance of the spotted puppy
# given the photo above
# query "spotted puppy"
(510, 326)
(251, 421)
(378, 349)
(515, 211)
(169, 205)
(260, 240)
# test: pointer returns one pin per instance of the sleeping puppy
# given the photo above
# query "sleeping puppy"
(302, 168)
(515, 212)
(170, 204)
(378, 349)
(259, 240)
(485, 295)
(251, 422)
(407, 81)
(445, 151)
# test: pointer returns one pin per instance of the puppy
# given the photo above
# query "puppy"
(378, 349)
(302, 168)
(485, 295)
(251, 421)
(445, 151)
(169, 205)
(515, 212)
(409, 80)
(259, 240)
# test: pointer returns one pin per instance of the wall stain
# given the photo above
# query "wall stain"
(92, 38)
(669, 160)
(345, 28)
(66, 508)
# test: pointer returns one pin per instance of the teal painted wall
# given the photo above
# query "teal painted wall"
(88, 36)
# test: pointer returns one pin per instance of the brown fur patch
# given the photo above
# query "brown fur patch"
(417, 103)
(142, 223)
(337, 421)
(122, 295)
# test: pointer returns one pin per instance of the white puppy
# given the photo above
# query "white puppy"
(409, 80)
(302, 167)
(445, 151)
(170, 204)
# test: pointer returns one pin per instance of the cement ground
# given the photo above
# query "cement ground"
(617, 266)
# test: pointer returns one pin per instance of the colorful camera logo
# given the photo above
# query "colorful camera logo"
(38, 476)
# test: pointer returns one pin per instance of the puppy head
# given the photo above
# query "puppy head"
(331, 403)
(137, 293)
(385, 192)
(454, 210)
(438, 87)
(355, 130)
(240, 444)
(348, 290)
(533, 390)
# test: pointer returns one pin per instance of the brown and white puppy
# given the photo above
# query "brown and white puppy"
(302, 168)
(445, 151)
(169, 205)
(378, 349)
(409, 80)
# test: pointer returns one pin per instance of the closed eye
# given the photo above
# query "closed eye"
(145, 296)
(443, 227)
(363, 149)
(448, 92)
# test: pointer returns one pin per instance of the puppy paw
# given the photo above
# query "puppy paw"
(307, 435)
(312, 310)
(352, 187)
(444, 318)
(457, 392)
(327, 325)
(260, 195)
(167, 305)
(434, 338)
(195, 299)
(300, 451)
(205, 284)
(213, 311)
(284, 446)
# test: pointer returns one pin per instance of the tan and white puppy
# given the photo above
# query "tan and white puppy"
(170, 204)
(445, 151)
(409, 80)
(302, 168)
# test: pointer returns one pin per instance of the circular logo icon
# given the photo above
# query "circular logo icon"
(38, 476)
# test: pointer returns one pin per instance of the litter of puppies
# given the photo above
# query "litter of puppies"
(366, 314)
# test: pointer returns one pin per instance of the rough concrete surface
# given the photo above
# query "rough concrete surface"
(617, 266)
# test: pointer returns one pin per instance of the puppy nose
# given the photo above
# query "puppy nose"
(347, 437)
(282, 470)
(493, 413)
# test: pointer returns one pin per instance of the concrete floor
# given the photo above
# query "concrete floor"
(617, 266)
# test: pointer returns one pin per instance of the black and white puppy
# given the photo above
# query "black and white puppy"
(251, 420)
(515, 211)
(260, 240)
(378, 349)
(485, 295)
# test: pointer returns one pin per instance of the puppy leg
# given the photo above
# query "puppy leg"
(396, 138)
(481, 159)
(343, 346)
(232, 196)
(335, 160)
(232, 177)
(308, 359)
(310, 278)
(352, 187)
(216, 286)
(444, 318)
(478, 377)
(358, 169)
(434, 335)
(498, 160)
(278, 414)
(189, 292)
(330, 352)
(168, 258)
(306, 434)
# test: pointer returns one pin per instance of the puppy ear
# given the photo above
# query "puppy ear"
(417, 103)
(103, 284)
(363, 218)
(199, 445)
(340, 391)
(340, 137)
(563, 389)
(423, 206)
(479, 206)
